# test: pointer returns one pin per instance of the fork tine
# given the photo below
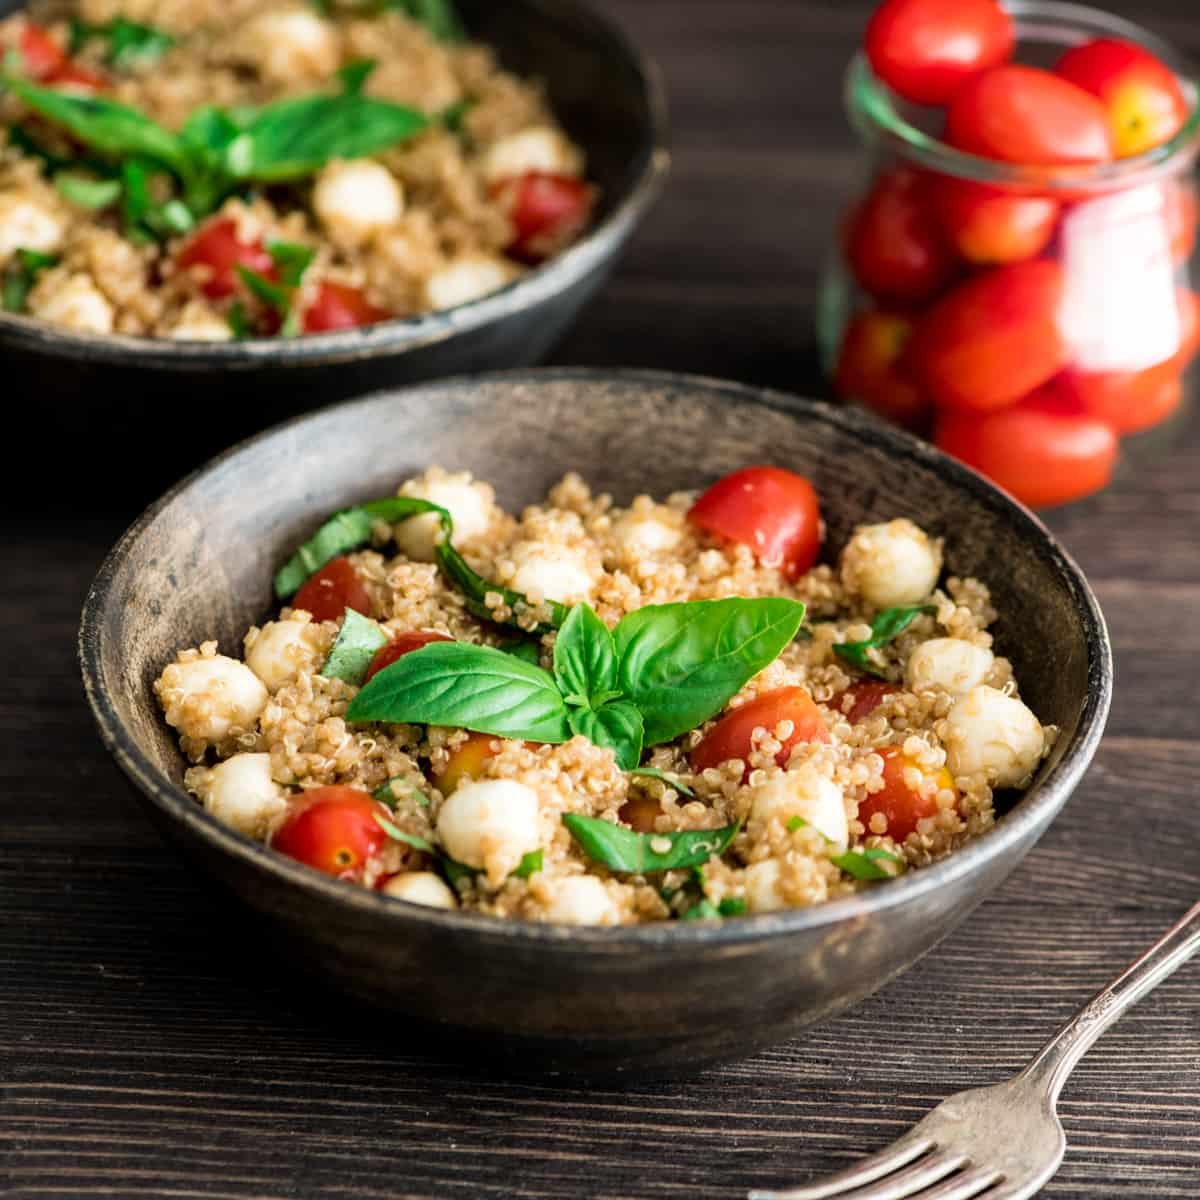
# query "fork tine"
(891, 1158)
(970, 1183)
(913, 1180)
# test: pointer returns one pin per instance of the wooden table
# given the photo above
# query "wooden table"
(147, 1050)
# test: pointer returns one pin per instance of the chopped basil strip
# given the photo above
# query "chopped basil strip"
(732, 906)
(90, 194)
(864, 865)
(705, 910)
(621, 849)
(356, 644)
(20, 276)
(456, 872)
(390, 794)
(292, 260)
(354, 75)
(795, 823)
(238, 323)
(671, 780)
(398, 834)
(531, 864)
(130, 43)
(887, 625)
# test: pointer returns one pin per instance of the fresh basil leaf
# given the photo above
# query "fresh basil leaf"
(354, 75)
(887, 625)
(732, 906)
(795, 823)
(240, 327)
(673, 780)
(470, 687)
(585, 659)
(208, 134)
(291, 139)
(705, 910)
(34, 149)
(531, 864)
(438, 16)
(20, 276)
(291, 260)
(132, 44)
(526, 651)
(621, 849)
(356, 643)
(175, 217)
(388, 794)
(264, 289)
(476, 589)
(681, 663)
(90, 194)
(137, 194)
(456, 872)
(398, 834)
(617, 725)
(863, 865)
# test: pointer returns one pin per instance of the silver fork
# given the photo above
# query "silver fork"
(1002, 1142)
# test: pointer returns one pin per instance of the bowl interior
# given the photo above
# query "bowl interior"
(199, 564)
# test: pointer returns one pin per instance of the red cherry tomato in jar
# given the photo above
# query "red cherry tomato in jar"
(993, 339)
(327, 593)
(1045, 450)
(336, 306)
(869, 369)
(1027, 115)
(988, 226)
(332, 829)
(774, 512)
(893, 243)
(925, 50)
(217, 247)
(399, 646)
(546, 211)
(71, 77)
(40, 54)
(900, 803)
(862, 698)
(1143, 99)
(731, 736)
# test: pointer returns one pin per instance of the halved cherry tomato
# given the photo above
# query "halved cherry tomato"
(993, 339)
(731, 736)
(336, 306)
(40, 54)
(217, 247)
(332, 829)
(1143, 99)
(1027, 115)
(865, 696)
(546, 211)
(989, 226)
(869, 370)
(466, 761)
(927, 49)
(74, 78)
(774, 512)
(1045, 450)
(399, 646)
(893, 243)
(901, 804)
(330, 591)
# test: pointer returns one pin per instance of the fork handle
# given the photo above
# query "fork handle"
(1057, 1058)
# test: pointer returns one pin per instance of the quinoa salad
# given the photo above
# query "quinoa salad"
(207, 170)
(598, 715)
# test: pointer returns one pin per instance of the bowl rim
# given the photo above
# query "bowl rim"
(647, 174)
(1030, 816)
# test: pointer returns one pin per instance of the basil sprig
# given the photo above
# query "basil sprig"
(620, 849)
(20, 275)
(887, 625)
(356, 644)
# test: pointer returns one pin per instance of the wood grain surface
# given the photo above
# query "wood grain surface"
(148, 1049)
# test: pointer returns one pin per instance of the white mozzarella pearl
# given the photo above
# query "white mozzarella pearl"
(281, 650)
(538, 148)
(550, 571)
(77, 304)
(580, 900)
(891, 564)
(490, 825)
(207, 697)
(645, 537)
(762, 887)
(26, 225)
(465, 279)
(995, 735)
(421, 887)
(198, 323)
(294, 42)
(807, 794)
(357, 198)
(470, 505)
(240, 793)
(951, 664)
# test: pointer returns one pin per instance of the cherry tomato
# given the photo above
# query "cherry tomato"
(399, 646)
(336, 306)
(1179, 208)
(217, 247)
(74, 78)
(927, 49)
(865, 696)
(1143, 99)
(1045, 450)
(993, 339)
(330, 591)
(893, 243)
(332, 829)
(40, 54)
(900, 803)
(546, 212)
(988, 226)
(1027, 115)
(466, 761)
(774, 512)
(731, 736)
(869, 371)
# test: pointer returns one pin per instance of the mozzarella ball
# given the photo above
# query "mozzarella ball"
(421, 887)
(539, 148)
(892, 564)
(355, 199)
(466, 278)
(580, 900)
(762, 887)
(74, 302)
(208, 698)
(951, 664)
(290, 43)
(551, 571)
(490, 825)
(240, 793)
(198, 323)
(991, 734)
(807, 794)
(470, 504)
(26, 225)
(280, 650)
(645, 536)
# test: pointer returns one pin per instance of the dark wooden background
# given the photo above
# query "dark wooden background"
(147, 1049)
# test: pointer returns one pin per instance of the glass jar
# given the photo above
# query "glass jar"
(1018, 315)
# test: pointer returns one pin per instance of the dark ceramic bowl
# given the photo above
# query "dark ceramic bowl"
(649, 999)
(177, 393)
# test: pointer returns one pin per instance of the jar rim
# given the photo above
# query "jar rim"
(873, 112)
